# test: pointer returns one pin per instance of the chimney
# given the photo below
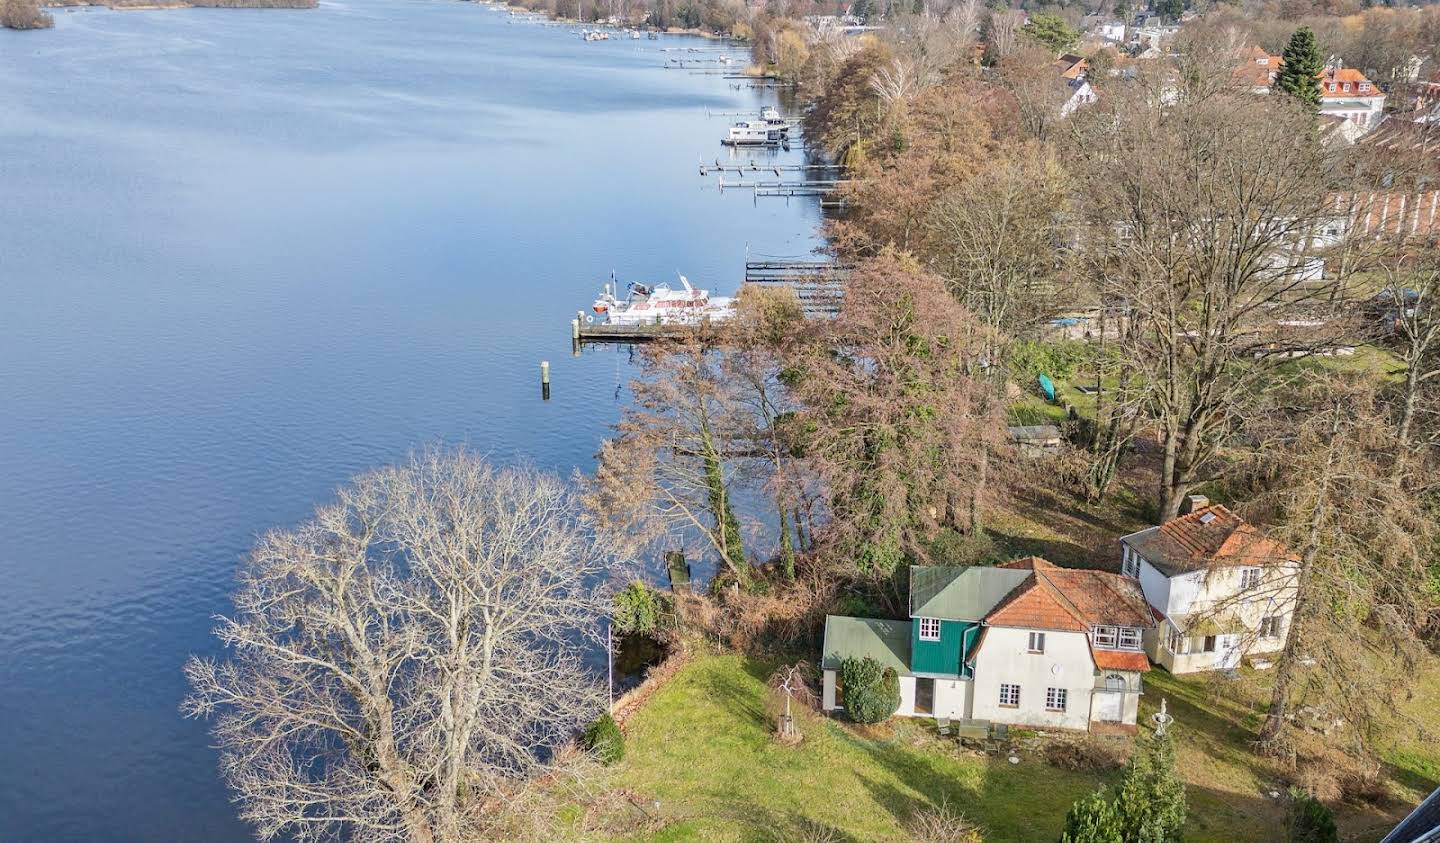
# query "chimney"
(1192, 503)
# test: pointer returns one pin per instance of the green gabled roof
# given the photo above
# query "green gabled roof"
(961, 594)
(887, 642)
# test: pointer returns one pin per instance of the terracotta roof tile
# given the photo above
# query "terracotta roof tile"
(1120, 660)
(1069, 599)
(1209, 536)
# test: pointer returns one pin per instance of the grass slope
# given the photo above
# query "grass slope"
(701, 750)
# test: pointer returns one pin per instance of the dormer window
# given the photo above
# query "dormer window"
(1116, 637)
(1364, 86)
(929, 629)
(1332, 87)
(1130, 563)
(1345, 87)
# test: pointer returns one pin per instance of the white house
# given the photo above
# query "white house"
(1025, 643)
(1220, 590)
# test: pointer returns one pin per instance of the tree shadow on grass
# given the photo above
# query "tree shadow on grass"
(1009, 546)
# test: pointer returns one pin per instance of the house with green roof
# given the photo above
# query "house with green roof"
(1025, 643)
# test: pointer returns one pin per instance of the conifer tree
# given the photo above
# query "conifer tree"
(1151, 802)
(1093, 819)
(1300, 68)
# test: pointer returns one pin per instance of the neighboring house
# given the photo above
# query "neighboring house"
(1345, 93)
(1112, 31)
(1257, 69)
(1421, 826)
(1072, 70)
(1025, 643)
(1220, 589)
(1078, 94)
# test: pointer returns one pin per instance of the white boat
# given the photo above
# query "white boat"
(661, 304)
(770, 116)
(753, 133)
(596, 35)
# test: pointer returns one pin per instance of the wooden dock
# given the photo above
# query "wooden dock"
(596, 332)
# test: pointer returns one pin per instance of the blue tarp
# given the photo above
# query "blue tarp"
(1047, 386)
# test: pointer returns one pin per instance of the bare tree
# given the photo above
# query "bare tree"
(405, 653)
(996, 240)
(672, 465)
(1205, 251)
(789, 687)
(1322, 469)
(901, 420)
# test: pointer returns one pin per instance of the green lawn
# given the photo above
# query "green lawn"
(701, 759)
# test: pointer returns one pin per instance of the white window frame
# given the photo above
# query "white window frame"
(1177, 642)
(1133, 636)
(1056, 699)
(1249, 578)
(1106, 637)
(1009, 691)
(1130, 565)
(1036, 643)
(1273, 622)
(934, 633)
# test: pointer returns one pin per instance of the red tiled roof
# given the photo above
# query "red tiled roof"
(1074, 600)
(1257, 67)
(1069, 599)
(1339, 76)
(1392, 213)
(1212, 535)
(1120, 660)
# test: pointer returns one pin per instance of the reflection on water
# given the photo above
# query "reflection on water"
(245, 254)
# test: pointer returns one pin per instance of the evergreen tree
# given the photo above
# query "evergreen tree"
(1151, 802)
(1051, 32)
(872, 691)
(1300, 69)
(1093, 819)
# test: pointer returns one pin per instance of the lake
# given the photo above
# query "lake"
(245, 254)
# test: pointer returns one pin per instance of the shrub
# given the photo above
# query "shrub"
(1310, 821)
(604, 738)
(1029, 359)
(1084, 755)
(24, 14)
(872, 692)
(943, 825)
(1093, 819)
(641, 609)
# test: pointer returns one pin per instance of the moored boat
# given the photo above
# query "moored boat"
(753, 133)
(661, 304)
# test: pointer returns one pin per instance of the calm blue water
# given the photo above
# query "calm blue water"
(246, 254)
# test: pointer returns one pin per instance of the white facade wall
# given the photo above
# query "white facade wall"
(1217, 592)
(1066, 663)
(952, 696)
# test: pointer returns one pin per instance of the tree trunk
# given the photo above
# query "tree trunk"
(1289, 661)
(1407, 415)
(787, 543)
(977, 492)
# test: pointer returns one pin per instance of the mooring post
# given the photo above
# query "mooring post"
(545, 380)
(574, 329)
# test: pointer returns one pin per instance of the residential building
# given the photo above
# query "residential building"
(1345, 93)
(1025, 643)
(1220, 590)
